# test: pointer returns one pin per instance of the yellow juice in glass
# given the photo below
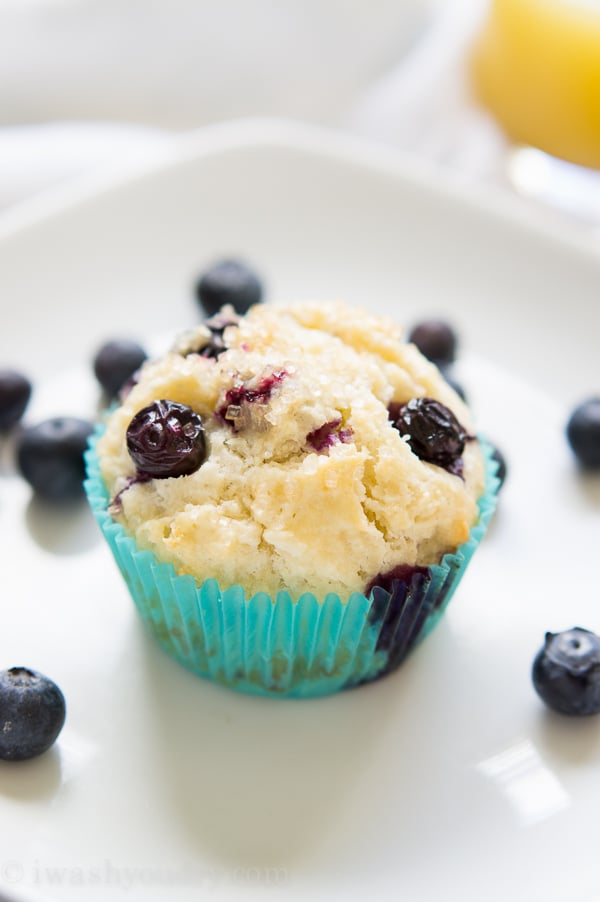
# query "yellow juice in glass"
(536, 67)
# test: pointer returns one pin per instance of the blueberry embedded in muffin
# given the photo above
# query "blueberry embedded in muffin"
(166, 439)
(433, 432)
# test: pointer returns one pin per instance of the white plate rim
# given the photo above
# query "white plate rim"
(315, 140)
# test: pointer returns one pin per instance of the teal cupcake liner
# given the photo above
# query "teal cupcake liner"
(281, 646)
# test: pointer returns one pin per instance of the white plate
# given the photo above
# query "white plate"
(447, 780)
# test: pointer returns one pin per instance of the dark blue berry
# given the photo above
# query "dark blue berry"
(500, 459)
(216, 325)
(436, 340)
(433, 432)
(166, 439)
(583, 432)
(229, 282)
(116, 362)
(566, 671)
(398, 610)
(32, 713)
(50, 457)
(15, 392)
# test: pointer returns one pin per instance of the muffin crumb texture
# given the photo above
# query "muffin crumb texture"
(307, 485)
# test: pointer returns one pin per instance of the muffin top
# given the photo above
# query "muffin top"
(313, 467)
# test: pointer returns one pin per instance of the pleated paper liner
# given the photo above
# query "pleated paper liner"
(280, 646)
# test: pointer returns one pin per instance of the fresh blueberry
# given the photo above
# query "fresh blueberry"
(433, 432)
(32, 713)
(436, 340)
(583, 432)
(166, 439)
(15, 392)
(566, 671)
(50, 457)
(229, 282)
(116, 362)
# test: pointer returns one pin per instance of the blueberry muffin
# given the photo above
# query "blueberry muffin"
(292, 496)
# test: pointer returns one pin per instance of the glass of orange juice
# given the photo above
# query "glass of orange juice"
(536, 67)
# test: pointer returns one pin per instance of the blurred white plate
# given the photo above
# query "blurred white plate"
(446, 780)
